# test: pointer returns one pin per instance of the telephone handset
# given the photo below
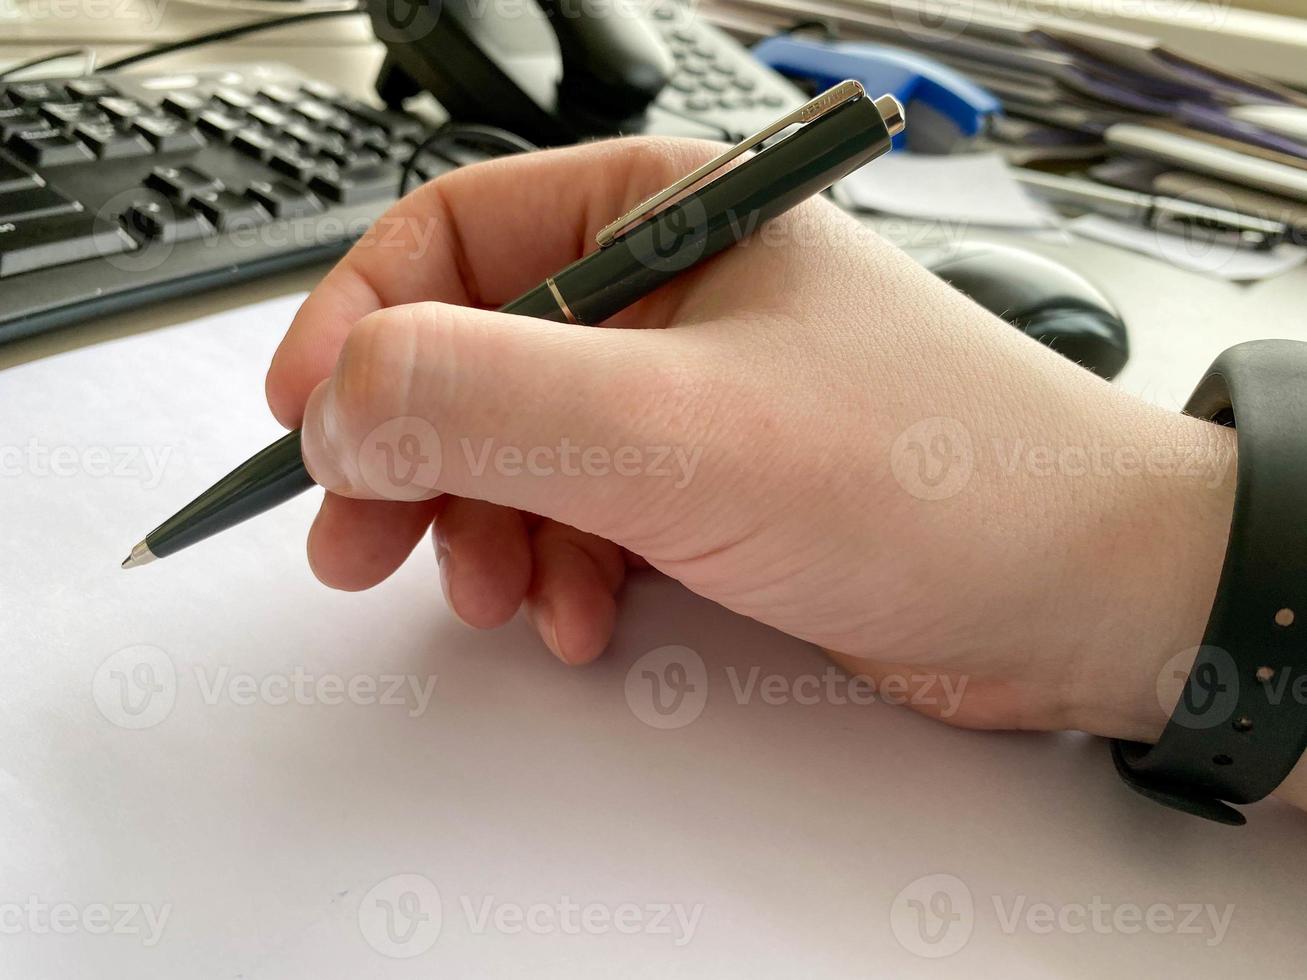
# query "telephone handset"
(558, 71)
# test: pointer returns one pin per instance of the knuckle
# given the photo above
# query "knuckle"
(413, 360)
(375, 370)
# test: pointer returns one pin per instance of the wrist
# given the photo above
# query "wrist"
(1151, 576)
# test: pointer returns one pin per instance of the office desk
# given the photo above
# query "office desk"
(821, 840)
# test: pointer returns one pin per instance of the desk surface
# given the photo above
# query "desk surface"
(827, 841)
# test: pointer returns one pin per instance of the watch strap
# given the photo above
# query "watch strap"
(1241, 723)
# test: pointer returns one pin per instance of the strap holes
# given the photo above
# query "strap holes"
(1284, 617)
(1243, 724)
(1222, 760)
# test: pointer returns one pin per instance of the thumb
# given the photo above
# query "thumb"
(594, 427)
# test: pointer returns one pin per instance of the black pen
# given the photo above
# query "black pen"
(839, 130)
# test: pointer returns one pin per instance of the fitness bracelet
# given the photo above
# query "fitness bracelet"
(1241, 722)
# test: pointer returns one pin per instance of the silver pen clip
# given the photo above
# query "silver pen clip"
(827, 101)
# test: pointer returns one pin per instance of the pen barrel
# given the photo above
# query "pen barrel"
(262, 482)
(717, 216)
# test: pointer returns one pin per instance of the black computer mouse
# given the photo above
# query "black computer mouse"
(1043, 299)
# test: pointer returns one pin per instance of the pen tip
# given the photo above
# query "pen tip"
(141, 555)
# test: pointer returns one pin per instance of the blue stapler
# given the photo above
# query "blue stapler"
(954, 106)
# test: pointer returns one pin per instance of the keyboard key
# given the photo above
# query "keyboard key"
(168, 134)
(15, 120)
(233, 100)
(315, 111)
(65, 114)
(293, 163)
(269, 116)
(255, 143)
(108, 142)
(228, 210)
(282, 95)
(312, 140)
(360, 184)
(188, 105)
(179, 184)
(219, 125)
(393, 124)
(282, 199)
(33, 93)
(89, 88)
(13, 177)
(119, 108)
(34, 202)
(320, 90)
(355, 132)
(400, 151)
(57, 240)
(162, 222)
(347, 158)
(48, 148)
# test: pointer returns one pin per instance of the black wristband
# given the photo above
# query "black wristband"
(1241, 722)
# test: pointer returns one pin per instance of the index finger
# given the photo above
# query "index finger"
(477, 236)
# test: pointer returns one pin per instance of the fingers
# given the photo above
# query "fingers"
(478, 236)
(599, 429)
(356, 544)
(485, 561)
(572, 601)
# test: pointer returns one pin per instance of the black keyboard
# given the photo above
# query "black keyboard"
(118, 190)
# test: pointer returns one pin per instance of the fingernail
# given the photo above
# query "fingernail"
(316, 437)
(548, 629)
(445, 562)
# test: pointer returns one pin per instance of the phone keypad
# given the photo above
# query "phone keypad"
(715, 78)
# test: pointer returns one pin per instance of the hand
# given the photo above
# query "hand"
(809, 429)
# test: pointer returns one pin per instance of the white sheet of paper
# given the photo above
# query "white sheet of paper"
(968, 188)
(215, 768)
(1222, 260)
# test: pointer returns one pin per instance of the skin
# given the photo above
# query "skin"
(828, 388)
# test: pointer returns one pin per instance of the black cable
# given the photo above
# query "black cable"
(83, 53)
(226, 34)
(471, 133)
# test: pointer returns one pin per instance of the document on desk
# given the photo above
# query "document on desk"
(968, 188)
(214, 767)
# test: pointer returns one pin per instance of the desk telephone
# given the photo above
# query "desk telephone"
(558, 71)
